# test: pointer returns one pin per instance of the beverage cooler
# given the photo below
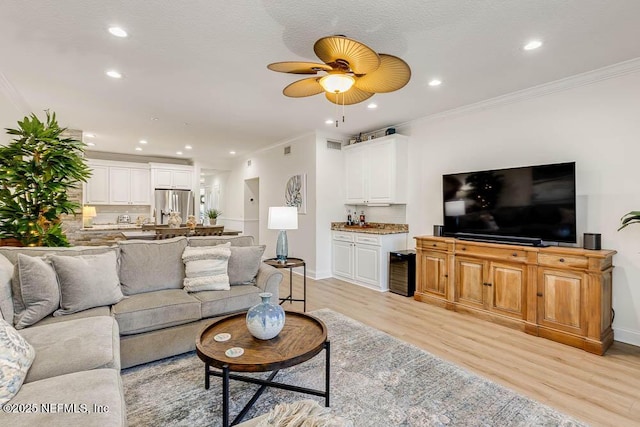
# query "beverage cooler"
(402, 272)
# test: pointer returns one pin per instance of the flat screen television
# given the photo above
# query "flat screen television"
(532, 202)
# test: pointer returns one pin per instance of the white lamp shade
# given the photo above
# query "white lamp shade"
(89, 211)
(454, 208)
(283, 218)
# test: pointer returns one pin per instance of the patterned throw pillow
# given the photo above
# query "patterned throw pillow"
(16, 357)
(206, 268)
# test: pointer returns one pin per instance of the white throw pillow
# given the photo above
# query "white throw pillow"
(16, 357)
(206, 268)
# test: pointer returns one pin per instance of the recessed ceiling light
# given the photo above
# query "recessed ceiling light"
(114, 74)
(90, 135)
(188, 147)
(143, 141)
(533, 44)
(202, 180)
(232, 152)
(435, 82)
(118, 32)
(90, 144)
(372, 106)
(154, 119)
(138, 149)
(328, 122)
(179, 153)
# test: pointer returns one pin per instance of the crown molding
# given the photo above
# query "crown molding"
(577, 80)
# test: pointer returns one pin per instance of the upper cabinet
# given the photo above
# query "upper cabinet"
(376, 171)
(164, 176)
(117, 183)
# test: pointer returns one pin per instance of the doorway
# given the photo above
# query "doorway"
(252, 208)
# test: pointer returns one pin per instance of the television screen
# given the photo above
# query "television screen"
(533, 202)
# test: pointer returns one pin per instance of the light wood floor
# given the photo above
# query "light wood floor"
(599, 390)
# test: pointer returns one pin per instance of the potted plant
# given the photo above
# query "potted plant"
(37, 170)
(632, 217)
(213, 215)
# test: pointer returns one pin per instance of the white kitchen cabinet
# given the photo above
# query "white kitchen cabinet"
(362, 258)
(117, 183)
(171, 177)
(376, 171)
(96, 189)
(129, 186)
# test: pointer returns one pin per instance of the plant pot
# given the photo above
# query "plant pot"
(10, 242)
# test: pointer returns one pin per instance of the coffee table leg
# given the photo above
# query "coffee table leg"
(225, 395)
(327, 373)
(206, 376)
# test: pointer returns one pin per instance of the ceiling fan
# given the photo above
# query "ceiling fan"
(354, 72)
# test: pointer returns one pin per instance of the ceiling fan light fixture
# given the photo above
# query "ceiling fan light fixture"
(337, 83)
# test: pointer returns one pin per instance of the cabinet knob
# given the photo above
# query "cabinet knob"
(434, 245)
(539, 294)
(561, 260)
(514, 254)
(446, 275)
(463, 248)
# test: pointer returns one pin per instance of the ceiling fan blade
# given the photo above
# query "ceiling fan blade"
(392, 74)
(352, 96)
(360, 58)
(304, 87)
(294, 67)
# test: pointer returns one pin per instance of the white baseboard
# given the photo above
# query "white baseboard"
(626, 336)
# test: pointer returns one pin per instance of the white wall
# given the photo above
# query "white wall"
(596, 125)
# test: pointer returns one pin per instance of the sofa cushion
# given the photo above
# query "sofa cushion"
(86, 281)
(217, 303)
(39, 288)
(218, 240)
(206, 268)
(147, 266)
(11, 253)
(6, 300)
(97, 397)
(16, 356)
(155, 310)
(73, 346)
(244, 264)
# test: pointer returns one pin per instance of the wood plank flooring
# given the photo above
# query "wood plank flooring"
(599, 390)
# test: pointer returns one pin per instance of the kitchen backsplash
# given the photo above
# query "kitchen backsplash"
(393, 214)
(108, 214)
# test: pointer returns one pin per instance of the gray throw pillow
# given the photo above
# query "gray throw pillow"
(244, 264)
(147, 266)
(39, 288)
(86, 281)
(6, 300)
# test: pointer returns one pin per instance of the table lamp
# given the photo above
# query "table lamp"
(282, 218)
(88, 213)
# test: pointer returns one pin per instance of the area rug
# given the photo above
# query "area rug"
(376, 380)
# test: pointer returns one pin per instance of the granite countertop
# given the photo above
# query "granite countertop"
(371, 228)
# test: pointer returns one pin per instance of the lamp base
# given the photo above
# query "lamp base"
(282, 247)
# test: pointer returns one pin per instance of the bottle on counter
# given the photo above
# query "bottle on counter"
(362, 219)
(349, 218)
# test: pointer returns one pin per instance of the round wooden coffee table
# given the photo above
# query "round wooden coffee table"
(302, 337)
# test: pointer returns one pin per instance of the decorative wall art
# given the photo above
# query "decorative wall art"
(295, 193)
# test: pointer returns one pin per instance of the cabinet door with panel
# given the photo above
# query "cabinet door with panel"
(562, 299)
(97, 187)
(367, 264)
(355, 176)
(140, 187)
(120, 186)
(433, 274)
(342, 259)
(470, 281)
(182, 180)
(506, 289)
(381, 162)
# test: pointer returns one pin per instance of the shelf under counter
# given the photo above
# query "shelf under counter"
(151, 234)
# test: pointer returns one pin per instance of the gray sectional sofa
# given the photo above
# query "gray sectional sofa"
(79, 355)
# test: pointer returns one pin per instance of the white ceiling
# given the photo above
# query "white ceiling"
(199, 66)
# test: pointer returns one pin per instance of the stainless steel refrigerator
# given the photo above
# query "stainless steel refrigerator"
(167, 201)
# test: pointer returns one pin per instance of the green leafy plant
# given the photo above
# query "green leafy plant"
(37, 169)
(632, 217)
(213, 213)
